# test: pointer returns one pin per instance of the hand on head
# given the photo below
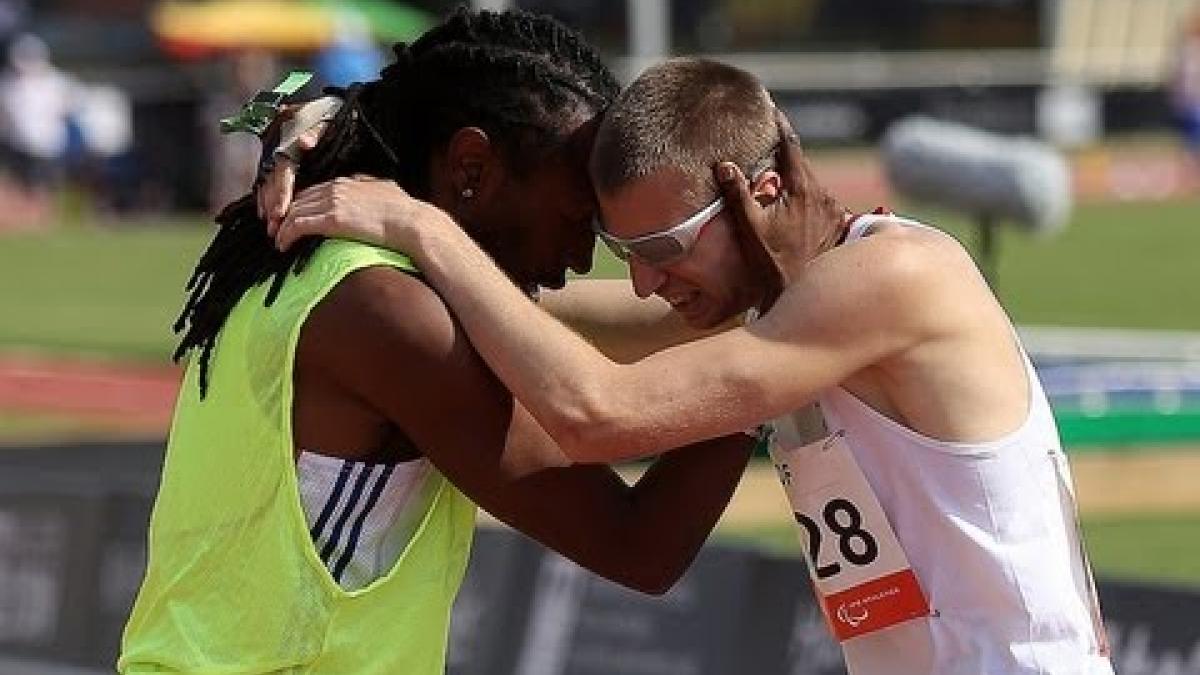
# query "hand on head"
(347, 208)
(274, 195)
(778, 239)
(359, 208)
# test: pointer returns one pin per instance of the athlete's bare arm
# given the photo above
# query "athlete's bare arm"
(599, 410)
(903, 315)
(388, 341)
(613, 319)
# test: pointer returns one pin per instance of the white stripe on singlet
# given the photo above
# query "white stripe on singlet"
(360, 516)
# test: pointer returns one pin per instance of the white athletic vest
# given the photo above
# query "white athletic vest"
(362, 516)
(990, 530)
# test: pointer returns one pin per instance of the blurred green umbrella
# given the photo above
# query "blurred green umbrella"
(388, 21)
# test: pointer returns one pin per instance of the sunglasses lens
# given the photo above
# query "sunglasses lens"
(616, 248)
(657, 250)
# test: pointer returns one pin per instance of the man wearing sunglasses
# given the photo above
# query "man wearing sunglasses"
(673, 243)
(665, 247)
(934, 497)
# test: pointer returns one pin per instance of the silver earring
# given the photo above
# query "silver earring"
(468, 193)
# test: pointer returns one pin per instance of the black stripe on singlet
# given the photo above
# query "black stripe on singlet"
(356, 531)
(351, 502)
(331, 503)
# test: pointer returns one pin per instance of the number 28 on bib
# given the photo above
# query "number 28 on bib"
(859, 571)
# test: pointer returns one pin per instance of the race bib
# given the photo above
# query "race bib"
(861, 575)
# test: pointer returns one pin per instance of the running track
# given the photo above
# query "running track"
(133, 398)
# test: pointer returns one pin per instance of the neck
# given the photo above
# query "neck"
(836, 228)
(824, 228)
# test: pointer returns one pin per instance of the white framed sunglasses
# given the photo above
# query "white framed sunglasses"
(670, 245)
(666, 246)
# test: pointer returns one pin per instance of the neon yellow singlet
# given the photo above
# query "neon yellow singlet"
(233, 583)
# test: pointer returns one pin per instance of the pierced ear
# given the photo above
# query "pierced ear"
(473, 163)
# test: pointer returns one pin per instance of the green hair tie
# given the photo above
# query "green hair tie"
(259, 112)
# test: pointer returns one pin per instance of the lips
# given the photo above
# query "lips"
(681, 302)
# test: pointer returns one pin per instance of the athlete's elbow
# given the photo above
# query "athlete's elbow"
(654, 561)
(659, 585)
(585, 443)
(665, 578)
(592, 432)
(651, 577)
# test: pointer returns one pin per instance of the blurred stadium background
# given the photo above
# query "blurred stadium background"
(96, 243)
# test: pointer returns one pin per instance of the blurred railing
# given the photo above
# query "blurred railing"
(1099, 43)
(886, 70)
(1116, 42)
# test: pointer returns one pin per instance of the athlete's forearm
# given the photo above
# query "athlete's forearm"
(561, 379)
(597, 411)
(677, 503)
(614, 320)
(642, 536)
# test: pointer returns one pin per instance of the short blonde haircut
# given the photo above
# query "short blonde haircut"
(688, 114)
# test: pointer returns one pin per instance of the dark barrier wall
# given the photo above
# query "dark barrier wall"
(1154, 630)
(493, 605)
(72, 546)
(72, 551)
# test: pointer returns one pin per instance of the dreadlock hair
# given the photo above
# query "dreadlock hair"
(514, 74)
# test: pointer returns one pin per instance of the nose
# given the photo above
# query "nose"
(646, 278)
(579, 253)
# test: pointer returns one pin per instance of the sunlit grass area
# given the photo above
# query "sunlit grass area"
(110, 292)
(114, 291)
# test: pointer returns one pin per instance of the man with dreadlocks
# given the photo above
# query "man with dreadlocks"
(336, 428)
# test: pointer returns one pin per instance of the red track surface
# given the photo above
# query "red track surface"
(132, 397)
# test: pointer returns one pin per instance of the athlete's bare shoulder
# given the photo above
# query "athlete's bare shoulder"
(927, 280)
(380, 315)
(899, 244)
(904, 231)
(899, 279)
(389, 297)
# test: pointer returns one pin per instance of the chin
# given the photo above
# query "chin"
(702, 320)
(710, 316)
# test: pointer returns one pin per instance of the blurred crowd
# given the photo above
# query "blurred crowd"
(106, 105)
(53, 128)
(352, 56)
(1185, 89)
(68, 142)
